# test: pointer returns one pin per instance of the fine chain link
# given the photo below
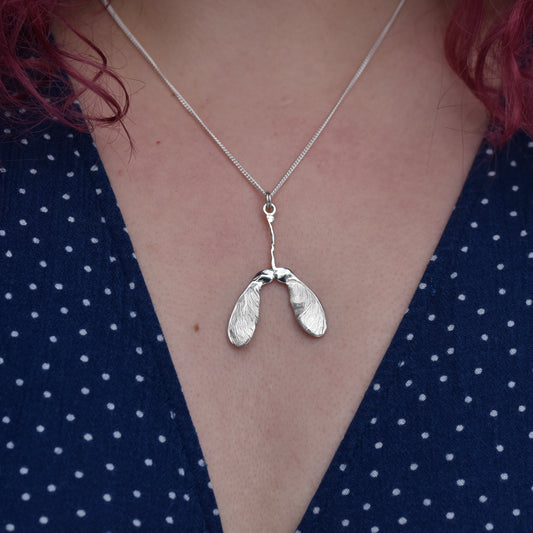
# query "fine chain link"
(230, 156)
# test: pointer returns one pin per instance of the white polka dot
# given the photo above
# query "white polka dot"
(107, 497)
(450, 515)
(426, 502)
(402, 520)
(345, 523)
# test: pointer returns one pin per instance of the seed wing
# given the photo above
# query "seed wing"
(307, 307)
(245, 315)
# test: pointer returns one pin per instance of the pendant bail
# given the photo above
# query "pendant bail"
(269, 208)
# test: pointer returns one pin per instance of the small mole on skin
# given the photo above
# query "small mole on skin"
(157, 142)
(196, 327)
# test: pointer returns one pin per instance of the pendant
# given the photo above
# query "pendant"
(306, 306)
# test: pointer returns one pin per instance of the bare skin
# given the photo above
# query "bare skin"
(358, 221)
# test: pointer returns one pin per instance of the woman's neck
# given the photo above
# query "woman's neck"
(281, 46)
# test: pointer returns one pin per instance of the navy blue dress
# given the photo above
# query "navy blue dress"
(95, 435)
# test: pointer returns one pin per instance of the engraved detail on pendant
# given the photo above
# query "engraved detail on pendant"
(304, 302)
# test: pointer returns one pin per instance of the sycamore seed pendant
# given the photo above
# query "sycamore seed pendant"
(304, 302)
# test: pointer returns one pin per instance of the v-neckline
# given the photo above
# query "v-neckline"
(188, 437)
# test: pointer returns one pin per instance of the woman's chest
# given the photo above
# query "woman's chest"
(359, 231)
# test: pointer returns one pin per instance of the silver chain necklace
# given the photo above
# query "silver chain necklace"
(305, 304)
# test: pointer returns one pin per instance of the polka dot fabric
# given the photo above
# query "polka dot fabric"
(95, 435)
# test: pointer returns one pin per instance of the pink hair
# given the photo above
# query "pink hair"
(33, 70)
(494, 60)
